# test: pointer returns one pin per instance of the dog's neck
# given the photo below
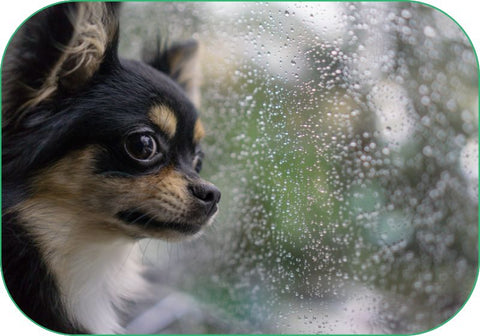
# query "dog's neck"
(96, 270)
(96, 281)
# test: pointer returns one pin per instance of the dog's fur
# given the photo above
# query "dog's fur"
(98, 152)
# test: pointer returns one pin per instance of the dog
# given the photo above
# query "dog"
(98, 153)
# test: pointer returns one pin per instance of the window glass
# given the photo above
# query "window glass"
(344, 139)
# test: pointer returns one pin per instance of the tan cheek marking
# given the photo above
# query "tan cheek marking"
(72, 205)
(164, 118)
(198, 131)
(86, 192)
(72, 185)
(68, 179)
(59, 212)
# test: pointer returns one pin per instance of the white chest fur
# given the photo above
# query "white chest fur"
(96, 279)
(96, 268)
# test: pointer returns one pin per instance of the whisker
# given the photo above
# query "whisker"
(115, 173)
(144, 251)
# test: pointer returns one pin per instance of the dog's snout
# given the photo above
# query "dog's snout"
(208, 194)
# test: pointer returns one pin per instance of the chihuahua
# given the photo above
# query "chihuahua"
(98, 152)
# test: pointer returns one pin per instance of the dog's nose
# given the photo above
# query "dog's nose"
(208, 194)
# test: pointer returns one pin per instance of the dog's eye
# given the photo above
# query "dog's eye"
(197, 162)
(141, 146)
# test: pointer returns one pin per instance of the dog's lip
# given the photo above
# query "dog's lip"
(145, 221)
(213, 210)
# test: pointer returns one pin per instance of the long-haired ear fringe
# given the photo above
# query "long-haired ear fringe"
(95, 26)
(58, 49)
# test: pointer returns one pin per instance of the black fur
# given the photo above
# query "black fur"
(99, 110)
(27, 278)
(113, 103)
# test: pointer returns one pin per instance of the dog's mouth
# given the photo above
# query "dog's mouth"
(148, 222)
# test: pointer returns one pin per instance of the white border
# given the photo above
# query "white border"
(13, 13)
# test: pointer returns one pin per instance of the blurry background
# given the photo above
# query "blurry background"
(344, 139)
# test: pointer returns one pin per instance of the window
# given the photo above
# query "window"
(344, 139)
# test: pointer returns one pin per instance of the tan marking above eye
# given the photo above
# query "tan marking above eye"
(198, 131)
(164, 118)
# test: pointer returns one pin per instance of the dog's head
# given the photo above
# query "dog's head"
(87, 134)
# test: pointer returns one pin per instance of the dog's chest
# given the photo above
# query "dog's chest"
(96, 282)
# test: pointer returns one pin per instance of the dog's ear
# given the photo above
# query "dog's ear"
(180, 62)
(57, 51)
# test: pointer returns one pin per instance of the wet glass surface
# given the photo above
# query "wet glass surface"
(344, 139)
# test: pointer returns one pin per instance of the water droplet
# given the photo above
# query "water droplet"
(429, 31)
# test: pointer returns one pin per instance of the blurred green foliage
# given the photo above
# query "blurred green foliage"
(318, 204)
